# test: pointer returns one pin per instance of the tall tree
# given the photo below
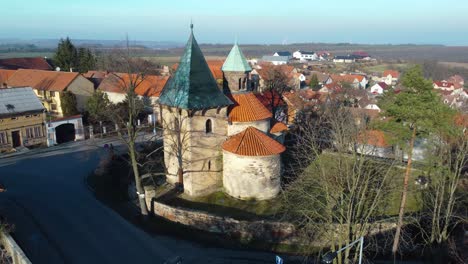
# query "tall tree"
(66, 56)
(276, 82)
(415, 111)
(86, 60)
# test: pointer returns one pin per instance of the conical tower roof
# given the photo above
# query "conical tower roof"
(236, 61)
(253, 142)
(193, 86)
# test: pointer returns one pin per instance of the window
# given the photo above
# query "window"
(209, 165)
(3, 138)
(29, 132)
(52, 94)
(208, 126)
(38, 131)
(53, 107)
(240, 83)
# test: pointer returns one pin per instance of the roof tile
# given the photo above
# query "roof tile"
(252, 142)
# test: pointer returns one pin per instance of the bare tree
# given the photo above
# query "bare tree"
(132, 72)
(442, 197)
(276, 82)
(339, 194)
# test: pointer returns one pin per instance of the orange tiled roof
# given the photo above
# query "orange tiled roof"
(214, 65)
(278, 127)
(393, 73)
(374, 138)
(5, 75)
(150, 86)
(350, 78)
(42, 80)
(253, 142)
(247, 108)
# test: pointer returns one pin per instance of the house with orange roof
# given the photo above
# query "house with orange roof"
(148, 87)
(4, 76)
(444, 85)
(374, 143)
(50, 86)
(219, 139)
(390, 77)
(35, 63)
(355, 80)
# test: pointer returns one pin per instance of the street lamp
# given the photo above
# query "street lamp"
(330, 256)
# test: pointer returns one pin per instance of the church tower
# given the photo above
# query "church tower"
(236, 71)
(194, 119)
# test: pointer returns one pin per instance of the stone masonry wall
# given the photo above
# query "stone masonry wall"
(267, 231)
(251, 177)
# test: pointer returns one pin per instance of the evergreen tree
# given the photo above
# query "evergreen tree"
(96, 105)
(414, 112)
(86, 60)
(314, 82)
(68, 104)
(66, 56)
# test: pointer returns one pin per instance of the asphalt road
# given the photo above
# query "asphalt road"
(57, 219)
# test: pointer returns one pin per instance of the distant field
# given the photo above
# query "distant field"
(25, 54)
(386, 66)
(171, 60)
(454, 64)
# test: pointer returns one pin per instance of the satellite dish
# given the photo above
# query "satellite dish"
(57, 69)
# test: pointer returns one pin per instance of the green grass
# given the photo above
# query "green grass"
(382, 67)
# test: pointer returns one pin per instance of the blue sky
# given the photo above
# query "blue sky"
(253, 21)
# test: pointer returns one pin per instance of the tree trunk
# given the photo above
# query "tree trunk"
(180, 174)
(139, 187)
(396, 240)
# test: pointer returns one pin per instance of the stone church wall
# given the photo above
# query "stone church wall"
(251, 177)
(237, 127)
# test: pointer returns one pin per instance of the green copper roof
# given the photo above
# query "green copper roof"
(192, 86)
(236, 61)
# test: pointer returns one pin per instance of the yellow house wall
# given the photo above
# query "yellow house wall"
(8, 125)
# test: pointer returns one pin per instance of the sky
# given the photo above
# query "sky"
(251, 21)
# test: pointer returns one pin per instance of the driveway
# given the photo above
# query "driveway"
(58, 220)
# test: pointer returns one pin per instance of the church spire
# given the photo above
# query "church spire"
(236, 61)
(193, 86)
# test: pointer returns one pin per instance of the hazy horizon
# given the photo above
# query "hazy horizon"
(272, 22)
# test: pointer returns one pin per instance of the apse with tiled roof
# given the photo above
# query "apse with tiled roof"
(252, 165)
(194, 119)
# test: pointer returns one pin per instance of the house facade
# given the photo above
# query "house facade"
(49, 86)
(276, 60)
(22, 118)
(305, 55)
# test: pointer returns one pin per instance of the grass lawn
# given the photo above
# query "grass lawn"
(222, 204)
(382, 67)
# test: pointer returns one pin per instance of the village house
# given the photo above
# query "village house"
(50, 86)
(276, 60)
(444, 85)
(22, 119)
(344, 59)
(356, 81)
(378, 88)
(305, 55)
(390, 77)
(227, 132)
(4, 76)
(373, 143)
(283, 54)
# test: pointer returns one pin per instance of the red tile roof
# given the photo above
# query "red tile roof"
(373, 138)
(42, 80)
(443, 84)
(215, 68)
(350, 78)
(278, 127)
(247, 108)
(150, 86)
(269, 98)
(5, 75)
(252, 142)
(393, 73)
(25, 63)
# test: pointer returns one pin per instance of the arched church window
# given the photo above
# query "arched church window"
(209, 165)
(208, 126)
(240, 83)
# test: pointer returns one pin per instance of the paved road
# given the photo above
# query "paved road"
(58, 220)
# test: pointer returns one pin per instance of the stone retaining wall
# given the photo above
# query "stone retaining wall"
(265, 231)
(15, 252)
